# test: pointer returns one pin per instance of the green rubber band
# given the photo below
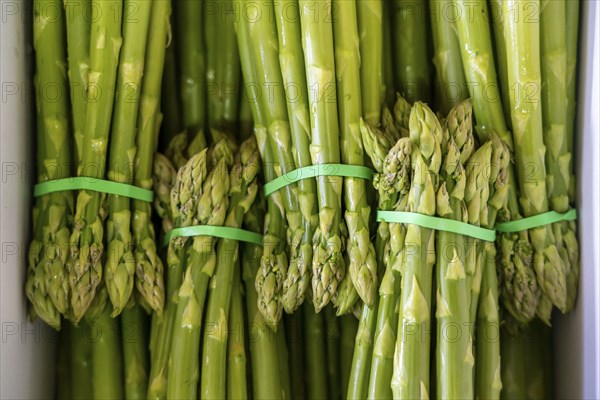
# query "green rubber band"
(224, 232)
(536, 221)
(348, 171)
(94, 184)
(437, 223)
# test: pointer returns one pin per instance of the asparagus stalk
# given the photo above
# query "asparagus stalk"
(245, 121)
(47, 284)
(371, 20)
(148, 266)
(317, 43)
(411, 58)
(348, 328)
(332, 342)
(514, 364)
(63, 377)
(88, 233)
(394, 177)
(170, 101)
(119, 268)
(269, 278)
(315, 348)
(451, 87)
(191, 63)
(455, 197)
(572, 27)
(500, 53)
(81, 361)
(523, 38)
(237, 387)
(135, 353)
(242, 191)
(388, 56)
(200, 262)
(78, 45)
(362, 263)
(266, 378)
(107, 369)
(284, 362)
(554, 54)
(35, 285)
(411, 359)
(291, 61)
(185, 197)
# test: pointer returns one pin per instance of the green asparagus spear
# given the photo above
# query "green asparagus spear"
(316, 353)
(554, 54)
(411, 359)
(317, 43)
(371, 19)
(572, 25)
(191, 62)
(88, 234)
(78, 45)
(332, 339)
(199, 262)
(169, 99)
(243, 189)
(47, 284)
(149, 267)
(500, 53)
(107, 369)
(348, 328)
(81, 360)
(284, 361)
(266, 379)
(411, 58)
(269, 278)
(185, 197)
(119, 268)
(451, 87)
(362, 263)
(237, 387)
(63, 376)
(523, 38)
(135, 351)
(291, 60)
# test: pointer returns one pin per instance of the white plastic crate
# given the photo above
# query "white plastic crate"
(27, 362)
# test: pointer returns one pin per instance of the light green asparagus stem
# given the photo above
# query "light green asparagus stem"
(332, 343)
(134, 336)
(555, 116)
(63, 376)
(191, 63)
(371, 41)
(245, 122)
(264, 34)
(242, 191)
(107, 369)
(284, 361)
(395, 177)
(78, 45)
(488, 380)
(411, 58)
(88, 233)
(170, 101)
(200, 262)
(572, 14)
(149, 268)
(266, 378)
(514, 364)
(317, 43)
(47, 284)
(451, 87)
(81, 361)
(185, 195)
(291, 61)
(274, 264)
(119, 268)
(388, 56)
(500, 53)
(348, 328)
(523, 60)
(411, 359)
(362, 263)
(237, 387)
(316, 353)
(461, 194)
